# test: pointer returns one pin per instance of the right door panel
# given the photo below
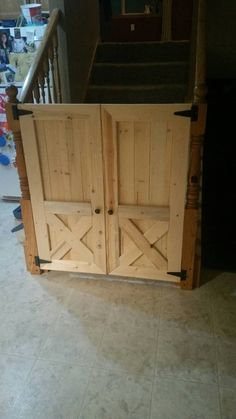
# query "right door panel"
(145, 151)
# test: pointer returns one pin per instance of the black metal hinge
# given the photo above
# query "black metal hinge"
(39, 261)
(182, 275)
(189, 113)
(19, 112)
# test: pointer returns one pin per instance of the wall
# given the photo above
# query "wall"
(80, 32)
(221, 39)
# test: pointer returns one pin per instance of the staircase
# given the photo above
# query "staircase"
(143, 72)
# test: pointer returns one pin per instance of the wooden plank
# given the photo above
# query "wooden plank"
(180, 128)
(60, 250)
(156, 231)
(69, 208)
(160, 157)
(130, 256)
(109, 131)
(145, 273)
(42, 111)
(125, 145)
(75, 157)
(64, 234)
(153, 255)
(153, 234)
(189, 245)
(64, 174)
(142, 162)
(44, 158)
(94, 139)
(30, 246)
(79, 229)
(144, 212)
(35, 184)
(72, 266)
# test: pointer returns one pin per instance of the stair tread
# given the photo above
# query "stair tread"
(181, 42)
(140, 64)
(136, 87)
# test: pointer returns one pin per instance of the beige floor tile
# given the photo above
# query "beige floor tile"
(91, 310)
(23, 336)
(184, 355)
(191, 316)
(226, 359)
(135, 318)
(129, 350)
(174, 399)
(228, 403)
(117, 291)
(224, 301)
(72, 340)
(116, 395)
(177, 296)
(223, 283)
(9, 414)
(54, 391)
(13, 374)
(225, 322)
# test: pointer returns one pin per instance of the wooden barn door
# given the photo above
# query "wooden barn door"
(63, 152)
(145, 151)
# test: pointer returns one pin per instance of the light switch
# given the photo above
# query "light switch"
(132, 27)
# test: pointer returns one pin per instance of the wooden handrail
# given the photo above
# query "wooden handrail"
(33, 74)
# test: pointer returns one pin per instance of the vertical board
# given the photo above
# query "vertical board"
(63, 153)
(147, 188)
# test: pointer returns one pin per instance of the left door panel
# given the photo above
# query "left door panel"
(63, 152)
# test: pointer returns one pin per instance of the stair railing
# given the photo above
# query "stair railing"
(42, 84)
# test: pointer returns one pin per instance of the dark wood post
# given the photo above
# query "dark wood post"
(30, 245)
(191, 257)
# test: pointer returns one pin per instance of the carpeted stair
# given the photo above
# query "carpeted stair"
(150, 72)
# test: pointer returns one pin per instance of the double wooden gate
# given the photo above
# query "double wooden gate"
(108, 187)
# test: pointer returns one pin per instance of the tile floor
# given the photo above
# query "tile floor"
(73, 348)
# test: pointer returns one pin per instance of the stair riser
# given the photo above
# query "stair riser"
(139, 75)
(176, 95)
(150, 52)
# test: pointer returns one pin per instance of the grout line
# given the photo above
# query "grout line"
(23, 387)
(157, 341)
(93, 366)
(216, 354)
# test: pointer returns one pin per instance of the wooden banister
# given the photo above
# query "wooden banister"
(197, 90)
(38, 80)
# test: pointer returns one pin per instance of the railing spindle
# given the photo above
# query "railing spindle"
(51, 60)
(41, 80)
(46, 68)
(56, 66)
(36, 92)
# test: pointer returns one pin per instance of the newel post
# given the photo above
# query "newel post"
(191, 258)
(30, 245)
